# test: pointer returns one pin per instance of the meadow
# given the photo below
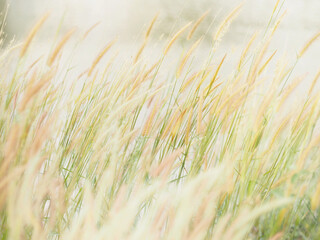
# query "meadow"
(159, 148)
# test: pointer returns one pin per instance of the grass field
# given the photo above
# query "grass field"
(147, 150)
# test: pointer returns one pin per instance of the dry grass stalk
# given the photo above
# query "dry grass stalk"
(314, 82)
(151, 26)
(206, 74)
(310, 104)
(138, 80)
(188, 127)
(99, 57)
(215, 74)
(145, 39)
(315, 141)
(209, 89)
(177, 125)
(275, 6)
(32, 33)
(196, 24)
(60, 45)
(169, 125)
(6, 52)
(308, 44)
(244, 53)
(42, 133)
(190, 80)
(175, 37)
(140, 51)
(34, 88)
(242, 91)
(199, 115)
(166, 165)
(32, 65)
(280, 129)
(147, 126)
(225, 23)
(187, 56)
(289, 90)
(266, 63)
(90, 30)
(263, 109)
(147, 73)
(212, 99)
(277, 24)
(254, 70)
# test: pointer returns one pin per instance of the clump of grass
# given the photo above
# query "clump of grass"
(134, 155)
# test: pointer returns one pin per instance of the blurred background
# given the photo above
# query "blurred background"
(127, 19)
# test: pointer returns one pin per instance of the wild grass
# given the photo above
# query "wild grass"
(152, 152)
